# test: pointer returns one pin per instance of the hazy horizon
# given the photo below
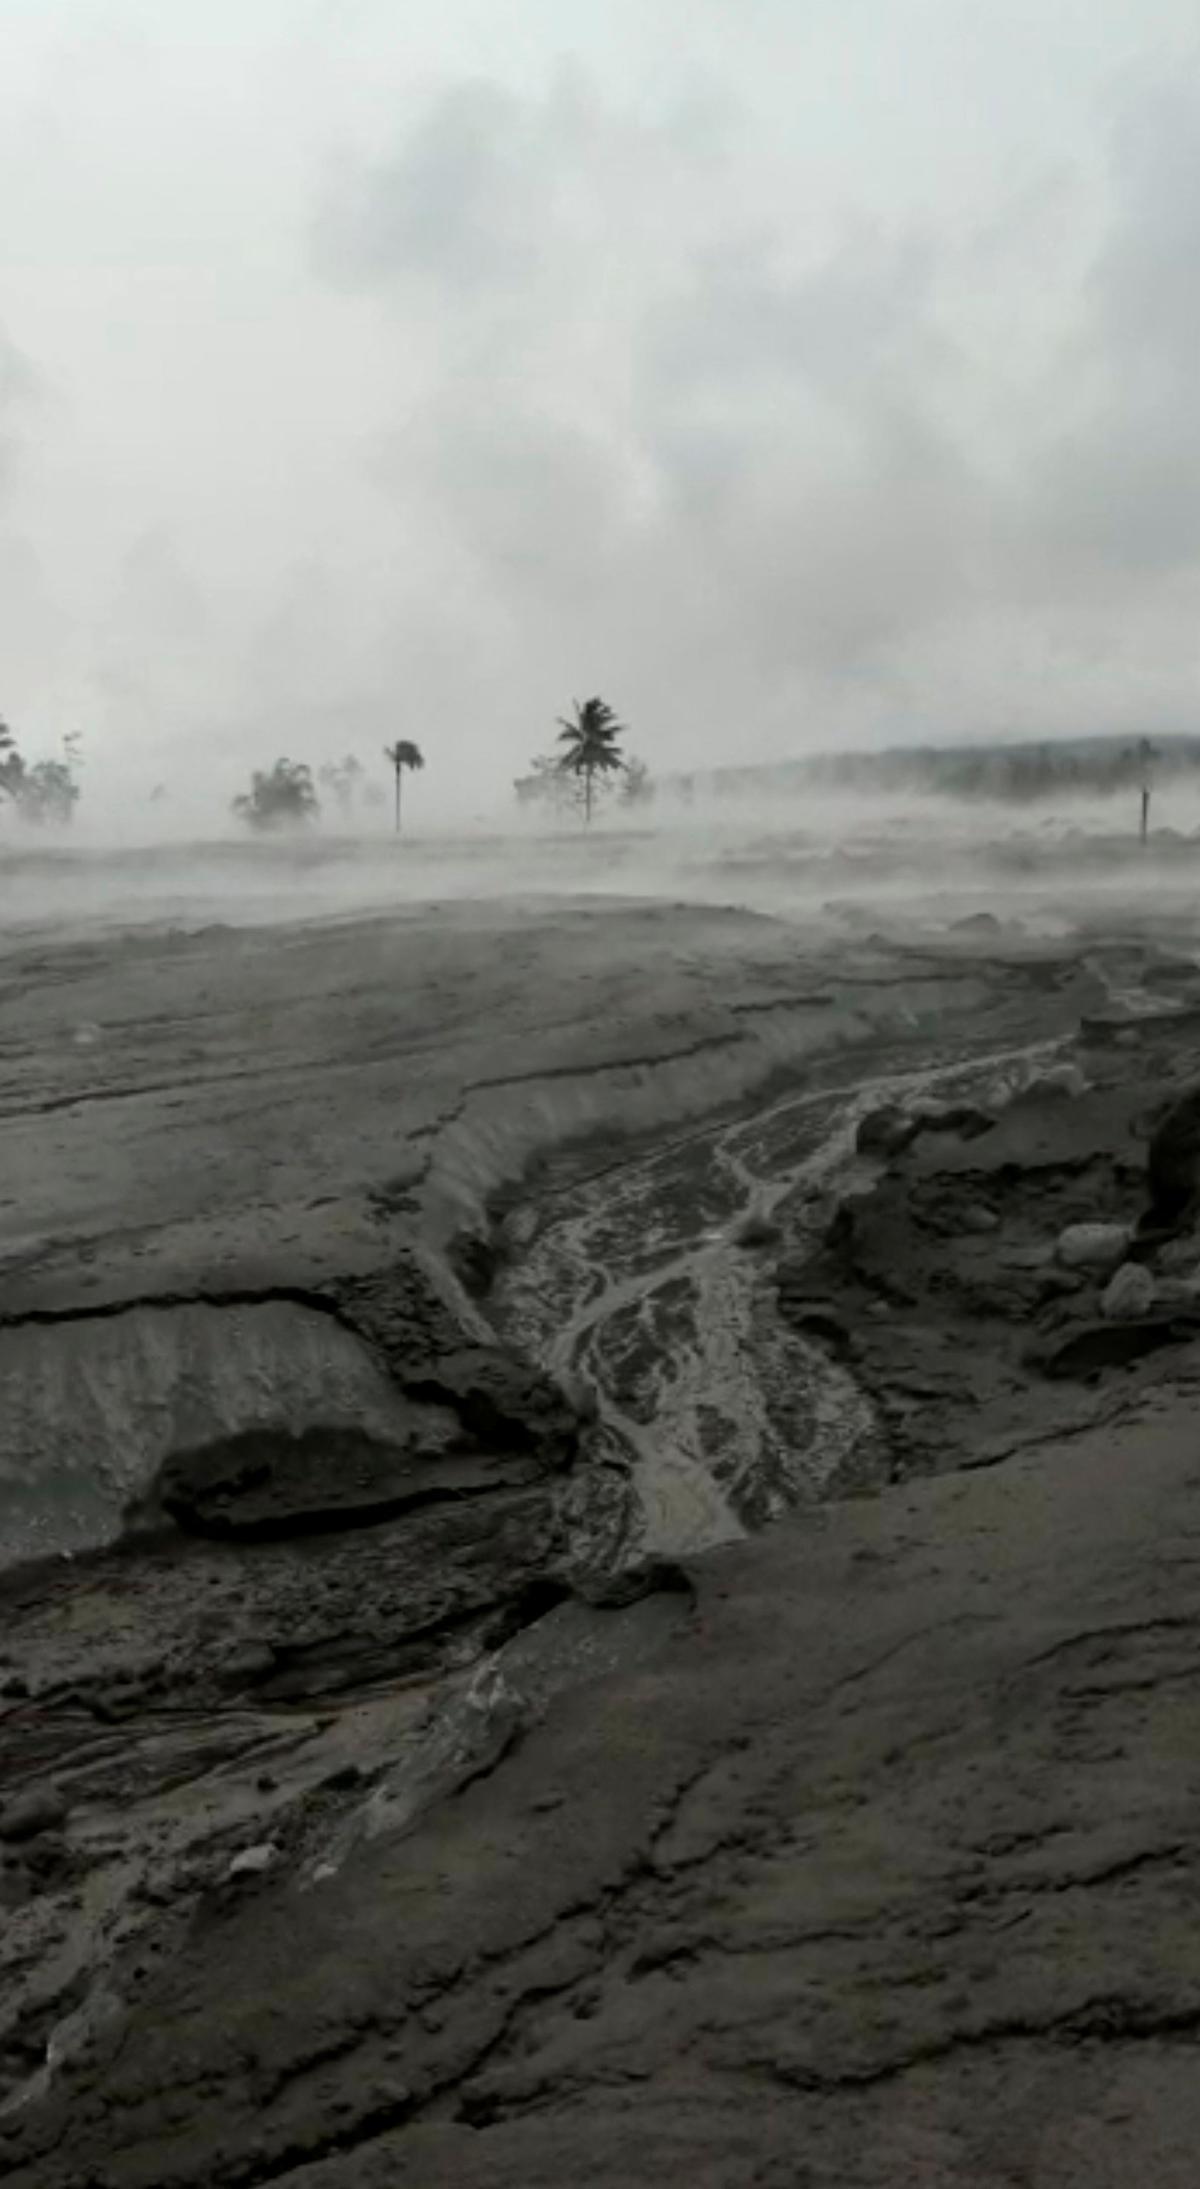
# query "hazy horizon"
(792, 379)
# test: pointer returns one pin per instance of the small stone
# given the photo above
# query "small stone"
(1128, 1294)
(978, 1220)
(346, 1776)
(965, 1119)
(886, 1131)
(755, 1231)
(1059, 1079)
(41, 1810)
(248, 1661)
(110, 1705)
(1092, 1246)
(253, 1861)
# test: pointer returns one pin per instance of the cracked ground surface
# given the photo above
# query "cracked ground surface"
(862, 1852)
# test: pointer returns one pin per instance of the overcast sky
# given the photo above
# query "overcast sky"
(790, 372)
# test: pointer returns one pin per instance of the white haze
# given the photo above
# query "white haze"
(792, 376)
(832, 866)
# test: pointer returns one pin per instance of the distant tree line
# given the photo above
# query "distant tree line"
(1016, 774)
(284, 796)
(591, 768)
(1025, 774)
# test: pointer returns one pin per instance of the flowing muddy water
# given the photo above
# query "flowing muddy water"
(648, 1284)
(643, 1285)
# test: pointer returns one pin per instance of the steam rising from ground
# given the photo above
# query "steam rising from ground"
(826, 861)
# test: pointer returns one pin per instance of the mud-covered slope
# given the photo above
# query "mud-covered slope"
(386, 1803)
(881, 1870)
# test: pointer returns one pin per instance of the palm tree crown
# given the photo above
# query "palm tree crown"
(592, 745)
(403, 754)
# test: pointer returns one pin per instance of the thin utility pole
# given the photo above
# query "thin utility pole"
(1147, 756)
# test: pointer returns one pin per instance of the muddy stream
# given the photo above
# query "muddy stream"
(647, 1287)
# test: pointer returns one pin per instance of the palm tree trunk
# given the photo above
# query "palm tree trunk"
(587, 796)
(399, 773)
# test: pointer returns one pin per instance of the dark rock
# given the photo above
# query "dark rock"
(977, 1220)
(1173, 1165)
(248, 1661)
(756, 1231)
(613, 1591)
(341, 1781)
(23, 1817)
(887, 1131)
(476, 1259)
(503, 1402)
(890, 1130)
(816, 1321)
(1092, 1347)
(964, 1119)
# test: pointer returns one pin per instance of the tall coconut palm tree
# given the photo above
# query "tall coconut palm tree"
(592, 746)
(403, 754)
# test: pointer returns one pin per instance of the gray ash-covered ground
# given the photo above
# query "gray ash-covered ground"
(383, 1799)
